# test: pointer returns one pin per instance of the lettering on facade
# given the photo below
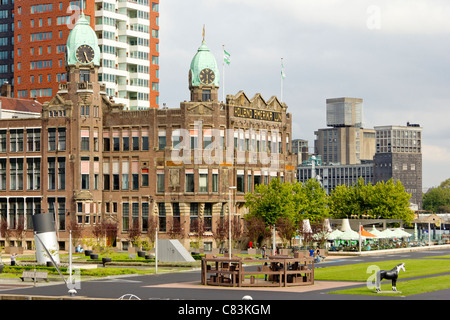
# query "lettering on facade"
(257, 114)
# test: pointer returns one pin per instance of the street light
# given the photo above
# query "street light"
(229, 222)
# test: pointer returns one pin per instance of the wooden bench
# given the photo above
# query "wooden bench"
(34, 275)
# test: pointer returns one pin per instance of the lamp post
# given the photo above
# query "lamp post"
(229, 221)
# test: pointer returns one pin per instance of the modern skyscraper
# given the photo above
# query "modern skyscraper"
(128, 39)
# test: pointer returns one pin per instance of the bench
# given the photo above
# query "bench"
(34, 275)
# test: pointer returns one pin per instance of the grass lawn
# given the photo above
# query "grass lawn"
(406, 287)
(414, 268)
(358, 272)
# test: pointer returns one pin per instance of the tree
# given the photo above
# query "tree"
(310, 201)
(256, 229)
(270, 202)
(438, 199)
(385, 200)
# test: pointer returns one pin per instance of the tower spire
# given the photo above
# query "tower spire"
(203, 33)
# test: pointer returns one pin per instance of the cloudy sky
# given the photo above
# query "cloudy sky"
(394, 54)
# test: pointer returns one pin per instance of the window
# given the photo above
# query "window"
(135, 214)
(116, 183)
(84, 139)
(193, 217)
(33, 173)
(189, 180)
(207, 217)
(176, 140)
(125, 175)
(33, 140)
(106, 141)
(176, 217)
(16, 174)
(2, 174)
(125, 216)
(161, 139)
(145, 141)
(51, 173)
(135, 140)
(125, 141)
(240, 181)
(206, 95)
(51, 139)
(116, 141)
(62, 139)
(203, 180)
(215, 181)
(145, 211)
(106, 176)
(85, 173)
(16, 140)
(144, 177)
(2, 140)
(162, 217)
(61, 173)
(160, 184)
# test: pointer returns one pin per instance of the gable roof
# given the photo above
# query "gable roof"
(20, 105)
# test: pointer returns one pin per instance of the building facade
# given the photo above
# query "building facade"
(87, 159)
(128, 32)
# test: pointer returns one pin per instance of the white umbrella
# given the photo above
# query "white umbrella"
(349, 235)
(306, 226)
(334, 235)
(375, 232)
(388, 234)
(401, 233)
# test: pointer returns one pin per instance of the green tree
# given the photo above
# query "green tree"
(311, 201)
(438, 199)
(385, 200)
(270, 202)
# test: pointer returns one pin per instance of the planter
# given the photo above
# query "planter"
(105, 260)
(141, 254)
(94, 256)
(87, 253)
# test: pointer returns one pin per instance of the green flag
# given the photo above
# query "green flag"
(283, 75)
(226, 57)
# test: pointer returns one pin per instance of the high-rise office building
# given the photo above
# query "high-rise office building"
(7, 42)
(128, 35)
(399, 156)
(345, 142)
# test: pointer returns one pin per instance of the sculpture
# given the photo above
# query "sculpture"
(391, 274)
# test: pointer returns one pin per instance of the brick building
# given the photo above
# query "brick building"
(86, 159)
(33, 35)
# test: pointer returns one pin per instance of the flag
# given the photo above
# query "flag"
(283, 75)
(226, 57)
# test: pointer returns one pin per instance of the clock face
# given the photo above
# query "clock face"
(85, 54)
(207, 76)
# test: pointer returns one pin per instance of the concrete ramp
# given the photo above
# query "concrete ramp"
(173, 250)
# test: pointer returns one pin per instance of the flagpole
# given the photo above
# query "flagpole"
(281, 95)
(223, 74)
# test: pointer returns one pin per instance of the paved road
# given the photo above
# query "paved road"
(185, 286)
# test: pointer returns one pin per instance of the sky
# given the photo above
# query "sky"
(393, 54)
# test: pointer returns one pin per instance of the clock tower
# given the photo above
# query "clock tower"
(204, 75)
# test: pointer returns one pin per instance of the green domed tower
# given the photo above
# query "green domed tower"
(204, 76)
(82, 44)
